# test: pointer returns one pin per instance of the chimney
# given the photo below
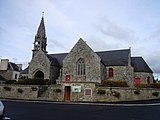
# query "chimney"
(4, 64)
(19, 67)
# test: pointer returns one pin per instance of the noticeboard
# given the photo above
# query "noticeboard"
(76, 88)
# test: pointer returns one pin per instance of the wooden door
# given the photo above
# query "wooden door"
(137, 81)
(67, 93)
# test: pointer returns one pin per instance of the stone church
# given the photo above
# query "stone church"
(83, 65)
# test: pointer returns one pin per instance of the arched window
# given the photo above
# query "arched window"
(148, 80)
(81, 67)
(110, 72)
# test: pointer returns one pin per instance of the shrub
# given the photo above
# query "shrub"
(7, 88)
(32, 82)
(116, 94)
(20, 90)
(57, 90)
(137, 92)
(100, 91)
(154, 85)
(155, 93)
(117, 83)
(10, 81)
(34, 89)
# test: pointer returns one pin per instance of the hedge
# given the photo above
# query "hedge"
(114, 83)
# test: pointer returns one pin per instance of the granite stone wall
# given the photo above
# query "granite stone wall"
(122, 73)
(39, 62)
(143, 77)
(92, 64)
(79, 92)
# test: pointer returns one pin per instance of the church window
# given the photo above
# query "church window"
(110, 72)
(81, 67)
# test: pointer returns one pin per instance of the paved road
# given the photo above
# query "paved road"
(20, 110)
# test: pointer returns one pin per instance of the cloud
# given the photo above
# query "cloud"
(119, 33)
(54, 44)
(153, 60)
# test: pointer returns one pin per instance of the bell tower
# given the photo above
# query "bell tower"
(40, 42)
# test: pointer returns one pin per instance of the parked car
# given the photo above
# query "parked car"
(1, 110)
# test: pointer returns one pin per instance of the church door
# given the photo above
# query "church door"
(39, 75)
(67, 93)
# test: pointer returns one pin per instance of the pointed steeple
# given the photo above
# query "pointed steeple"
(40, 42)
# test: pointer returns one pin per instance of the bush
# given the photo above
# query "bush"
(116, 94)
(7, 88)
(10, 81)
(57, 90)
(100, 91)
(31, 82)
(117, 83)
(154, 85)
(155, 93)
(137, 92)
(20, 90)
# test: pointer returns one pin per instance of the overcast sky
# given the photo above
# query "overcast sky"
(103, 24)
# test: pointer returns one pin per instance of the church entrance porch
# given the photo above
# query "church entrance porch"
(39, 75)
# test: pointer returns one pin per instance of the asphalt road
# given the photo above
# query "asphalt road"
(20, 110)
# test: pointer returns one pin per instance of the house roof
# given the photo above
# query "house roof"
(13, 66)
(140, 65)
(2, 78)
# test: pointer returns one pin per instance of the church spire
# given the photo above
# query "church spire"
(40, 42)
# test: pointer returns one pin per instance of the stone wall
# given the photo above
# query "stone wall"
(18, 92)
(88, 93)
(39, 62)
(92, 64)
(143, 77)
(122, 73)
(125, 94)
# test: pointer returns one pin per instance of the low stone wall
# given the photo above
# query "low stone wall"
(87, 93)
(124, 94)
(18, 92)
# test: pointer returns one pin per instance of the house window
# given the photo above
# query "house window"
(137, 81)
(148, 80)
(110, 72)
(81, 67)
(15, 77)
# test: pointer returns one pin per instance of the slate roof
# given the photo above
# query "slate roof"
(60, 57)
(53, 60)
(110, 58)
(2, 78)
(140, 65)
(13, 66)
(115, 57)
(25, 71)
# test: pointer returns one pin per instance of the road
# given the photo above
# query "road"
(21, 110)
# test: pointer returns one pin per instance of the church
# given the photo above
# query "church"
(83, 65)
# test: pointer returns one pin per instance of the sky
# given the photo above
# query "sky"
(103, 24)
